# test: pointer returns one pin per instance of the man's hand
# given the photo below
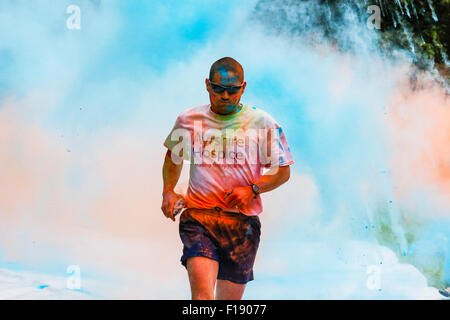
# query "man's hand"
(169, 200)
(239, 196)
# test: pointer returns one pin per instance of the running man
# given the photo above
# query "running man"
(236, 152)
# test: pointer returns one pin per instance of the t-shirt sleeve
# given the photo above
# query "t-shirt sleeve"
(178, 140)
(275, 139)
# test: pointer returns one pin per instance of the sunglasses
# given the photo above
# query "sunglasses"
(217, 88)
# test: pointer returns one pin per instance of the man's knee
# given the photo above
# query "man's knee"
(206, 295)
(227, 290)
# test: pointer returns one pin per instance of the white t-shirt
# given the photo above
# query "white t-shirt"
(226, 151)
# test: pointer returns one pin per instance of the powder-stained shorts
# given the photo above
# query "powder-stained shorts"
(232, 239)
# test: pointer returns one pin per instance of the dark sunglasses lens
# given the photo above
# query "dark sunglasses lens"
(217, 88)
(233, 90)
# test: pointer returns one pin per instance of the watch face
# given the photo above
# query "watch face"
(255, 188)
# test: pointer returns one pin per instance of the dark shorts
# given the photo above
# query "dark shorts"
(232, 239)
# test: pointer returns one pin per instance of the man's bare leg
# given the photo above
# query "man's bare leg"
(202, 272)
(227, 290)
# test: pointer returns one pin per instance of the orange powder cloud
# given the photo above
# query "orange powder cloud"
(418, 123)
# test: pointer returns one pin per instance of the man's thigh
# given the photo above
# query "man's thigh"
(202, 272)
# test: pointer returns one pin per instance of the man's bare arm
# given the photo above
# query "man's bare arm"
(271, 180)
(171, 173)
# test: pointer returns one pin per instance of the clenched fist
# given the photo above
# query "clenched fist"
(169, 200)
(239, 197)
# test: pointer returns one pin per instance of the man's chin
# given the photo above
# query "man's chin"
(223, 108)
(226, 108)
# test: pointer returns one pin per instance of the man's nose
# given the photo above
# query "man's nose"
(225, 95)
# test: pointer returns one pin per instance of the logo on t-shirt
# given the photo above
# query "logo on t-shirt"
(228, 147)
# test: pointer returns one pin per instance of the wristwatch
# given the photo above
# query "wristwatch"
(255, 189)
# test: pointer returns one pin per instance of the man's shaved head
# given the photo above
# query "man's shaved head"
(227, 64)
